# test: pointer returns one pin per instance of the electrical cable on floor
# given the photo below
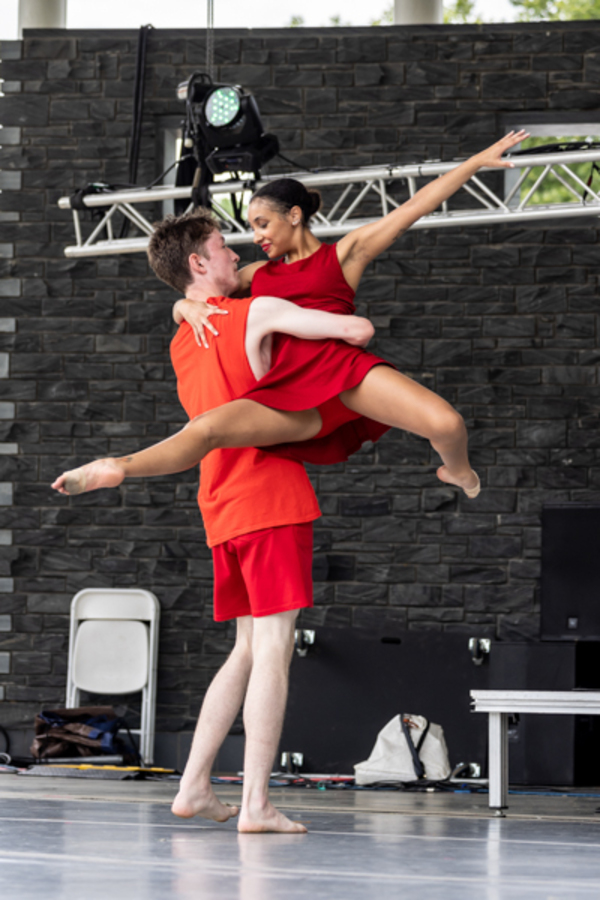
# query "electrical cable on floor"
(346, 783)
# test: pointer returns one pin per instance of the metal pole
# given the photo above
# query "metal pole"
(418, 12)
(42, 14)
(498, 760)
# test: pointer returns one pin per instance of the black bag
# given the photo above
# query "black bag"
(82, 731)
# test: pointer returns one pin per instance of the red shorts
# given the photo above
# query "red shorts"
(263, 572)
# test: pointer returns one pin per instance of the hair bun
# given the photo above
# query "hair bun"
(315, 201)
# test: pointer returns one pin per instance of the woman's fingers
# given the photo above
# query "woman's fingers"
(200, 321)
(493, 156)
(200, 336)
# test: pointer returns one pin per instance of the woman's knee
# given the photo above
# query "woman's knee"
(448, 425)
(204, 431)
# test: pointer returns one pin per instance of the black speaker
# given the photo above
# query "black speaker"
(570, 583)
(550, 750)
(350, 684)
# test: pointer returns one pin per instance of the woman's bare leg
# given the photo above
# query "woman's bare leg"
(395, 399)
(241, 423)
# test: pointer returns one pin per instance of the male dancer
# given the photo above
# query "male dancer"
(258, 510)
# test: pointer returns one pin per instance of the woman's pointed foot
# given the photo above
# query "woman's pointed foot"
(470, 483)
(103, 473)
(475, 490)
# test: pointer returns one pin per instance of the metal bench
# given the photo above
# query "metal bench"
(500, 704)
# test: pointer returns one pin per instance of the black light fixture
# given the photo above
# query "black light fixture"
(223, 128)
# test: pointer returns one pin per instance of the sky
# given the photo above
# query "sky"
(228, 13)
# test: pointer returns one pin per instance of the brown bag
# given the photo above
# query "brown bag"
(82, 731)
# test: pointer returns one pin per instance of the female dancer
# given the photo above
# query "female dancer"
(323, 276)
(307, 375)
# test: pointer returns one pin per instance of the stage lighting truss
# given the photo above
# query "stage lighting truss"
(355, 197)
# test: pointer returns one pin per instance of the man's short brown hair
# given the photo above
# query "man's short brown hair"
(174, 239)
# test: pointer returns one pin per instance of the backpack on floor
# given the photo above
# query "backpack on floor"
(409, 748)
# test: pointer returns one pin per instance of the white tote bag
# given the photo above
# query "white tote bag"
(407, 748)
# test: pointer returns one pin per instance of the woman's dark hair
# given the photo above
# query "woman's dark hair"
(283, 193)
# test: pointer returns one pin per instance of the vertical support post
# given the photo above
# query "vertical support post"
(418, 12)
(42, 14)
(498, 759)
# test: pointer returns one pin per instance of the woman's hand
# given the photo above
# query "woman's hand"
(197, 314)
(491, 157)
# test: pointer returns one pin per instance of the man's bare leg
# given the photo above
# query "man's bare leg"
(394, 399)
(264, 708)
(241, 423)
(219, 709)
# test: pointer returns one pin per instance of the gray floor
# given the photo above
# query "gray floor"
(62, 839)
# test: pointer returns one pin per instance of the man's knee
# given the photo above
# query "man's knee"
(274, 634)
(244, 636)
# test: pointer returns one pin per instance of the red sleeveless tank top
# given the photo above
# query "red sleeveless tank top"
(241, 490)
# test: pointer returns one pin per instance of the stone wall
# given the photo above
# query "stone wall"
(502, 322)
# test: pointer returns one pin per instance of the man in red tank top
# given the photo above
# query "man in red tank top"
(258, 510)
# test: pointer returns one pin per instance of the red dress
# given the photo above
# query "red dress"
(311, 374)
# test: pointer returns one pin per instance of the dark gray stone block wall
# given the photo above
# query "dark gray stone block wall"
(503, 322)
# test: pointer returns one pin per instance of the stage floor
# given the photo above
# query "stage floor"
(65, 839)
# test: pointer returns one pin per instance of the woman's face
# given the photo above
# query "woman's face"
(273, 231)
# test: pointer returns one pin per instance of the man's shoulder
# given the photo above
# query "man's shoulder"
(231, 329)
(235, 303)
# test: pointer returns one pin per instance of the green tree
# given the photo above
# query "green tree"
(296, 22)
(386, 17)
(551, 190)
(533, 10)
(460, 12)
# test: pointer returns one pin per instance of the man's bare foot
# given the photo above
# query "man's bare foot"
(205, 804)
(469, 483)
(103, 473)
(267, 819)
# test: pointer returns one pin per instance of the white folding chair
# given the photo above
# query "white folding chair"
(113, 649)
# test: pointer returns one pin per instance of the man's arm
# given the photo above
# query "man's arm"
(271, 314)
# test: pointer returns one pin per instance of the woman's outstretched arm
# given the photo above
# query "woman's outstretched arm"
(359, 247)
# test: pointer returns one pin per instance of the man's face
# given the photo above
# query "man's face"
(220, 262)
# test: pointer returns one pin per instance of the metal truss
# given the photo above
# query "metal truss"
(351, 198)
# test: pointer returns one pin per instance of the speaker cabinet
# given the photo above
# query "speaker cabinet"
(570, 584)
(550, 750)
(350, 684)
